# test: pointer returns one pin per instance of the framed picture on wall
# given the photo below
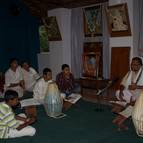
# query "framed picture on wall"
(91, 64)
(44, 43)
(52, 28)
(92, 21)
(118, 20)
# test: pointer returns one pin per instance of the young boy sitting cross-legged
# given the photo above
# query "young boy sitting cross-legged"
(12, 126)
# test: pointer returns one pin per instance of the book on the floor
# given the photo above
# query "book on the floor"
(122, 103)
(59, 116)
(29, 102)
(73, 98)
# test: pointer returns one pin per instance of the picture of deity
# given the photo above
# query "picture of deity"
(93, 21)
(91, 64)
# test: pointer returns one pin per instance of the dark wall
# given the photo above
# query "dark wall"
(18, 34)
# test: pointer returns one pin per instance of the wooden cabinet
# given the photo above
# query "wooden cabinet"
(120, 58)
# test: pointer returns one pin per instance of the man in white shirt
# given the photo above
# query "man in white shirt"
(130, 89)
(14, 78)
(30, 76)
(41, 86)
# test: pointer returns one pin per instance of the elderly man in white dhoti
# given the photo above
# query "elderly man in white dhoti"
(130, 89)
(132, 83)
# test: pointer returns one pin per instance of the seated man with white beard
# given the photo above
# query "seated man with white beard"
(130, 89)
(132, 84)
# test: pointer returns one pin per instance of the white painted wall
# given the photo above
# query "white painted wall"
(43, 61)
(60, 51)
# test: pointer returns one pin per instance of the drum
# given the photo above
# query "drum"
(53, 102)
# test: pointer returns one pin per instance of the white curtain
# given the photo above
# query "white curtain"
(106, 49)
(77, 36)
(77, 40)
(138, 28)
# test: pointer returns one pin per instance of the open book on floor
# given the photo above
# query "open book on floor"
(73, 98)
(62, 115)
(122, 103)
(29, 102)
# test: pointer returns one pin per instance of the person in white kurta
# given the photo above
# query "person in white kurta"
(30, 76)
(41, 86)
(14, 78)
(130, 90)
(132, 83)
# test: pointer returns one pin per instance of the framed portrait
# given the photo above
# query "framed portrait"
(118, 20)
(52, 28)
(91, 62)
(92, 21)
(44, 43)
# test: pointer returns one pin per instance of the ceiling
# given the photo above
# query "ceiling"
(40, 7)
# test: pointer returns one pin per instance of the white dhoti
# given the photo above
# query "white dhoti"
(128, 94)
(127, 112)
(26, 131)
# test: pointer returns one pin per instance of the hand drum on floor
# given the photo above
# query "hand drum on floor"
(53, 102)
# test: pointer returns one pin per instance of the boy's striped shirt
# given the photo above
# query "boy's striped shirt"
(7, 120)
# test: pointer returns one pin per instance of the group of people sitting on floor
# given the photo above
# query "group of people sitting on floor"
(25, 81)
(21, 82)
